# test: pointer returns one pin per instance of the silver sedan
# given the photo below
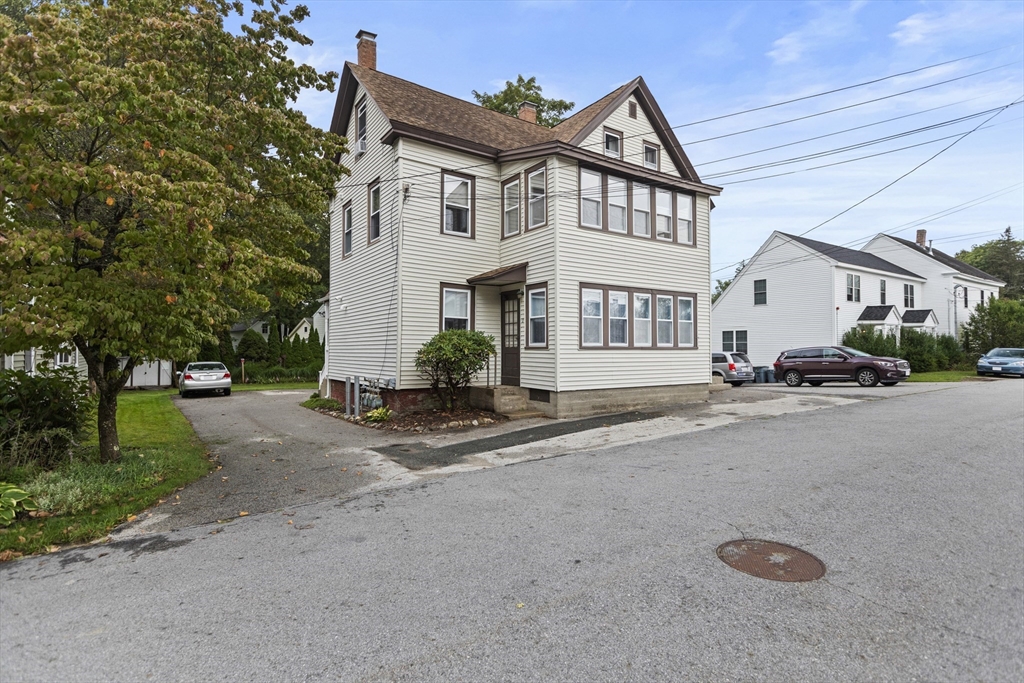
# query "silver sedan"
(197, 377)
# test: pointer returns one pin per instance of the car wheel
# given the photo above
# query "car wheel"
(183, 394)
(793, 378)
(980, 373)
(736, 384)
(815, 384)
(866, 377)
(889, 384)
(227, 392)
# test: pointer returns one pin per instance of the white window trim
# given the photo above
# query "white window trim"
(444, 307)
(347, 231)
(543, 199)
(361, 114)
(671, 320)
(617, 136)
(645, 210)
(369, 225)
(691, 322)
(691, 230)
(584, 317)
(624, 318)
(468, 207)
(530, 317)
(516, 207)
(648, 320)
(745, 341)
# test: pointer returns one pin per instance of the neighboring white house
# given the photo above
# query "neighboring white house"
(305, 327)
(239, 329)
(31, 359)
(798, 292)
(954, 288)
(583, 248)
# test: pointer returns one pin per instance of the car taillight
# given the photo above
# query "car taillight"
(777, 364)
(732, 367)
(227, 375)
(188, 376)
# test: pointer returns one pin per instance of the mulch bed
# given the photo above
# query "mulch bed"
(430, 421)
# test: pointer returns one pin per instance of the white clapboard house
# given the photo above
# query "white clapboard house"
(583, 248)
(798, 292)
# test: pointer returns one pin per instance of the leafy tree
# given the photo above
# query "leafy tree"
(253, 347)
(1003, 258)
(994, 324)
(153, 173)
(722, 285)
(16, 11)
(450, 359)
(549, 111)
(210, 350)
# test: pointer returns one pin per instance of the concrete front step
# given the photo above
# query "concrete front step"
(523, 414)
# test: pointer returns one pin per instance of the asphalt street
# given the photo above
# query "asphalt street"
(596, 566)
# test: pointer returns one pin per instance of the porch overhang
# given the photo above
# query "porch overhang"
(499, 277)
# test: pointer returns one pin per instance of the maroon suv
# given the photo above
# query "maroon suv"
(819, 364)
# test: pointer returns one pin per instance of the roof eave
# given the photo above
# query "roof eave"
(399, 129)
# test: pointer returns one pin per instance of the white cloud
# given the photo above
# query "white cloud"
(832, 23)
(926, 28)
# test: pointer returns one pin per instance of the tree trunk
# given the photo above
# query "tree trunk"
(109, 378)
(110, 446)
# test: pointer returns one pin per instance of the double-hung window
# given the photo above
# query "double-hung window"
(966, 302)
(612, 143)
(665, 320)
(651, 156)
(538, 316)
(593, 317)
(63, 357)
(641, 319)
(456, 304)
(852, 287)
(590, 199)
(685, 321)
(663, 221)
(908, 296)
(346, 247)
(536, 181)
(741, 341)
(734, 340)
(618, 318)
(684, 218)
(641, 210)
(760, 292)
(728, 337)
(373, 225)
(361, 129)
(510, 212)
(457, 205)
(881, 292)
(617, 205)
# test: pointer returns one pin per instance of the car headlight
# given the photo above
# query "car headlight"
(1016, 362)
(885, 364)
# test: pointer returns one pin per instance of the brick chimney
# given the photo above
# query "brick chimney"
(366, 48)
(922, 236)
(528, 112)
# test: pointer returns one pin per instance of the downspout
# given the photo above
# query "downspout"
(403, 198)
(835, 309)
(556, 287)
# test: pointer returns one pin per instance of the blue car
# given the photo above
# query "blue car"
(1002, 362)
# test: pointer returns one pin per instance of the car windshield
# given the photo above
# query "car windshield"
(741, 357)
(853, 352)
(1006, 353)
(206, 367)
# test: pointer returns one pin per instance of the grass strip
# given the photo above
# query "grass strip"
(941, 376)
(88, 498)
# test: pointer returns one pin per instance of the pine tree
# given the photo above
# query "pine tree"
(274, 342)
(227, 350)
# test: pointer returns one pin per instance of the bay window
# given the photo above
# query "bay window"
(618, 318)
(616, 205)
(458, 197)
(590, 199)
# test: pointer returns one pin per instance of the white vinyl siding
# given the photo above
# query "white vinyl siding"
(635, 132)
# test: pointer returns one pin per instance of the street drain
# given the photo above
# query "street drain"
(770, 560)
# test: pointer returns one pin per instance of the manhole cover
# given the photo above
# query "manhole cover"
(770, 560)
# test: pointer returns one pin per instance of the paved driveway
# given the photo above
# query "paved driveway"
(595, 566)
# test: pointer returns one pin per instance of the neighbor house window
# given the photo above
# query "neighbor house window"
(456, 304)
(727, 340)
(538, 317)
(641, 319)
(618, 318)
(361, 128)
(537, 184)
(664, 309)
(616, 204)
(641, 210)
(373, 227)
(852, 287)
(651, 156)
(685, 321)
(265, 328)
(741, 341)
(63, 357)
(663, 221)
(966, 303)
(510, 199)
(734, 340)
(908, 296)
(760, 292)
(593, 317)
(684, 218)
(590, 199)
(613, 143)
(457, 205)
(881, 292)
(346, 247)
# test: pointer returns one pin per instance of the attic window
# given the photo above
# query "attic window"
(612, 143)
(361, 128)
(632, 110)
(651, 153)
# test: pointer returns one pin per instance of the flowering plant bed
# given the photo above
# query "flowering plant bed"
(428, 421)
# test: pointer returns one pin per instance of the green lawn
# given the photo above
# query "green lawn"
(941, 376)
(310, 386)
(160, 453)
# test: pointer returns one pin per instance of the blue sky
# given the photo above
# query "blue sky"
(707, 59)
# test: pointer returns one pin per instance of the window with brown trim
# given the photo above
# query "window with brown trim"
(537, 316)
(591, 198)
(684, 218)
(456, 307)
(631, 208)
(641, 210)
(510, 206)
(652, 156)
(618, 220)
(612, 143)
(361, 127)
(663, 215)
(346, 239)
(537, 200)
(626, 317)
(373, 211)
(457, 204)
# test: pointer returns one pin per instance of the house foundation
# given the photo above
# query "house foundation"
(584, 403)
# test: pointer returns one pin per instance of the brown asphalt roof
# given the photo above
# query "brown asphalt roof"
(570, 127)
